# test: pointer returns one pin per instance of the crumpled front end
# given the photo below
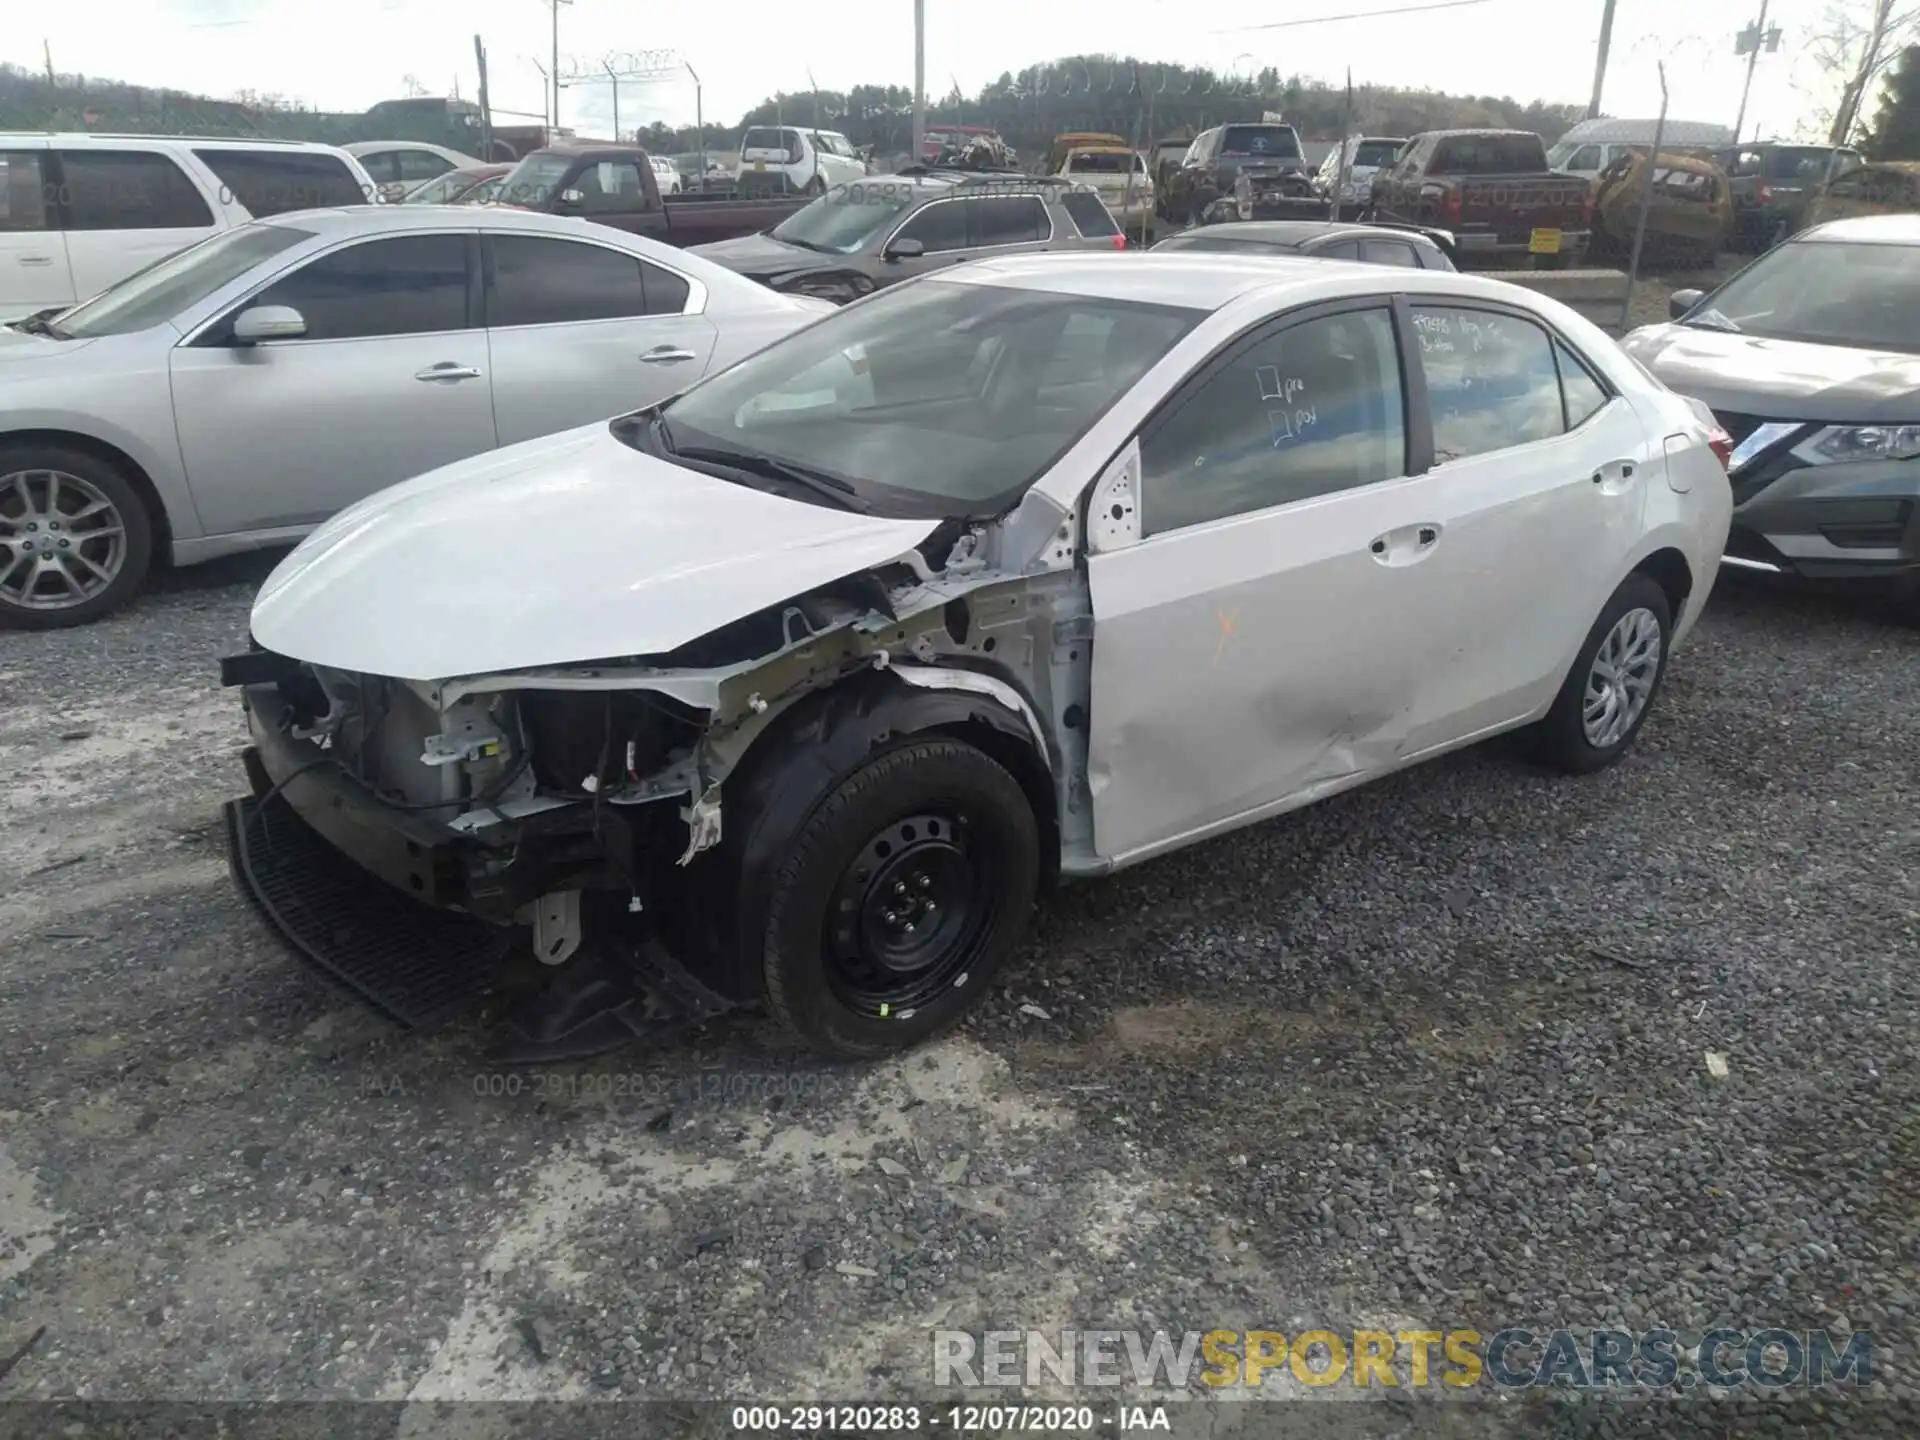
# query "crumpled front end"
(521, 813)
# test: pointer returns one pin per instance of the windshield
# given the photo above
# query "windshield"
(847, 217)
(441, 190)
(1376, 152)
(1863, 296)
(1275, 141)
(163, 289)
(935, 398)
(533, 181)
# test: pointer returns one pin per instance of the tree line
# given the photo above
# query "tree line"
(1141, 99)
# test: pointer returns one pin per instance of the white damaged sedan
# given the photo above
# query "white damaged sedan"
(795, 690)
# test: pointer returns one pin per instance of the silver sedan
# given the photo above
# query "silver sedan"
(234, 395)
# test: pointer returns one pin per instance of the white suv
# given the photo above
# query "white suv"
(811, 160)
(79, 212)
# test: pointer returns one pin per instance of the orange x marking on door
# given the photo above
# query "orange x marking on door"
(1229, 621)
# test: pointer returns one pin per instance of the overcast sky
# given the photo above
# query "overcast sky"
(346, 54)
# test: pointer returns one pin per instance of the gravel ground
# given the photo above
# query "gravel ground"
(1427, 1055)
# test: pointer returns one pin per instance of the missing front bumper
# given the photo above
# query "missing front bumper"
(415, 964)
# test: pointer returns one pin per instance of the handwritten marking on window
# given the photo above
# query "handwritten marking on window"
(1273, 386)
(1280, 425)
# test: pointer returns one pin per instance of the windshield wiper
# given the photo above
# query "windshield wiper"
(749, 462)
(41, 323)
(800, 244)
(1712, 320)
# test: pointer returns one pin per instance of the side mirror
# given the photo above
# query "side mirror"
(906, 250)
(1681, 301)
(571, 198)
(268, 322)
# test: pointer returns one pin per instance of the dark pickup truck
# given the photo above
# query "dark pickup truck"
(615, 185)
(1493, 190)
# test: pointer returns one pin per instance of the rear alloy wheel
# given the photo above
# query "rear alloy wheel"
(1608, 693)
(902, 895)
(75, 539)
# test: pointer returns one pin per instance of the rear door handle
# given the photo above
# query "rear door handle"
(1615, 475)
(36, 259)
(447, 370)
(666, 355)
(1405, 545)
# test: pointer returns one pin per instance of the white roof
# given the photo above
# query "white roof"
(1640, 132)
(1205, 280)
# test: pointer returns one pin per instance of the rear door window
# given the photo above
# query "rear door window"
(129, 190)
(1492, 381)
(1006, 220)
(273, 183)
(538, 281)
(23, 192)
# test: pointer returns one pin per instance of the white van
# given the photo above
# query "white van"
(1593, 145)
(812, 160)
(79, 212)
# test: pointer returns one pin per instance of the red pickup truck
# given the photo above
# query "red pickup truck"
(614, 184)
(1495, 192)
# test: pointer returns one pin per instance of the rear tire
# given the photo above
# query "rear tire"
(1615, 679)
(44, 490)
(903, 893)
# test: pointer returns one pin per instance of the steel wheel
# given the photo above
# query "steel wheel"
(62, 540)
(909, 914)
(1620, 680)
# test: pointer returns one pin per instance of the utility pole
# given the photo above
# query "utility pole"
(556, 4)
(615, 78)
(486, 108)
(1600, 62)
(699, 122)
(1750, 43)
(919, 79)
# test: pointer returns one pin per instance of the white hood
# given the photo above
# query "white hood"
(565, 549)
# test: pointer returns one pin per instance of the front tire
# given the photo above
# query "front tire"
(76, 540)
(901, 896)
(1610, 690)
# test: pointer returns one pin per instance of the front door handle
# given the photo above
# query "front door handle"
(447, 370)
(666, 355)
(36, 259)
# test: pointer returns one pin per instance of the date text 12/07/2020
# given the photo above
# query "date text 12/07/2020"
(945, 1419)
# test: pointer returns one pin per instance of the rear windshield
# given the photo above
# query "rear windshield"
(1488, 155)
(270, 183)
(1376, 152)
(765, 137)
(1278, 141)
(1687, 185)
(1807, 162)
(1223, 244)
(1105, 164)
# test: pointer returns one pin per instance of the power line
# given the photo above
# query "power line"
(1355, 15)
